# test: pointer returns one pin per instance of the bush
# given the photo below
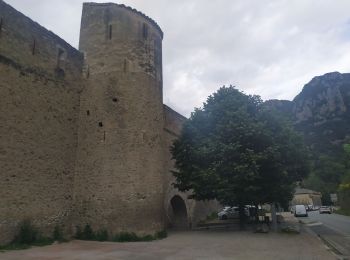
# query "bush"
(57, 234)
(126, 237)
(212, 216)
(27, 234)
(345, 212)
(78, 233)
(86, 234)
(102, 235)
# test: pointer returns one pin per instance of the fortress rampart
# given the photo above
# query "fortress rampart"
(40, 84)
(84, 134)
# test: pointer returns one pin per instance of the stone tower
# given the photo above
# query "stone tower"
(120, 165)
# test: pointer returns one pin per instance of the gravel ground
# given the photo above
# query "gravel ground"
(211, 244)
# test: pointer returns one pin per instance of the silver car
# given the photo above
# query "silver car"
(325, 209)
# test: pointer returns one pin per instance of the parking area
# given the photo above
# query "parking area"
(215, 244)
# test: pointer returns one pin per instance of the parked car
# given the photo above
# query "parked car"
(233, 212)
(310, 207)
(299, 211)
(316, 207)
(229, 212)
(325, 209)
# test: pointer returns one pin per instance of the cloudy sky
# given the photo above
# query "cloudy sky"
(266, 47)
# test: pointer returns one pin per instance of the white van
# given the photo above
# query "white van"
(300, 211)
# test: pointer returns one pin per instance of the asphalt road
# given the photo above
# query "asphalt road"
(334, 229)
(336, 222)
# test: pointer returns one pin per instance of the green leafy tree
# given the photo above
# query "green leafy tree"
(235, 151)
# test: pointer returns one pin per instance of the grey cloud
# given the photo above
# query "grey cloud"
(270, 48)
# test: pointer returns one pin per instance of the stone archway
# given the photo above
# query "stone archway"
(178, 213)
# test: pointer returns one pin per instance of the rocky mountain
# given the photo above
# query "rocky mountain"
(321, 112)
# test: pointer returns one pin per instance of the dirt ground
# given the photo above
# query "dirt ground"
(209, 244)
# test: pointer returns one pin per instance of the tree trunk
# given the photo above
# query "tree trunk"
(241, 217)
(273, 217)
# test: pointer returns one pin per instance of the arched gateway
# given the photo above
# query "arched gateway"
(178, 213)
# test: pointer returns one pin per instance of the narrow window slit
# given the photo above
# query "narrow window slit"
(100, 124)
(87, 112)
(144, 31)
(115, 99)
(33, 47)
(110, 32)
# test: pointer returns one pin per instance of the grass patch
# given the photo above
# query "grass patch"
(29, 236)
(345, 212)
(102, 235)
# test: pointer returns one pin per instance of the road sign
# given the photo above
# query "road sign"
(334, 197)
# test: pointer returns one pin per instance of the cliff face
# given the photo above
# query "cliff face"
(320, 112)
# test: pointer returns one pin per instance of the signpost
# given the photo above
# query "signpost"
(334, 198)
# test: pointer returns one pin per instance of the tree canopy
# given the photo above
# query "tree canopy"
(237, 152)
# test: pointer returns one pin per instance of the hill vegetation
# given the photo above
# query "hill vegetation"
(321, 113)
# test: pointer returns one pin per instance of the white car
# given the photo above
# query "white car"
(229, 212)
(325, 209)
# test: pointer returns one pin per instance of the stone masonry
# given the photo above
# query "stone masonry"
(84, 134)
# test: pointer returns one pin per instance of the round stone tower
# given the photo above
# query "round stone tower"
(120, 164)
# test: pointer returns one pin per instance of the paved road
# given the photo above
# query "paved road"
(336, 222)
(333, 229)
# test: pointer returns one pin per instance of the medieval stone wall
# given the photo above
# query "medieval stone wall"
(84, 136)
(195, 210)
(39, 92)
(120, 167)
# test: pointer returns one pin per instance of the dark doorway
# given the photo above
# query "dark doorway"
(178, 213)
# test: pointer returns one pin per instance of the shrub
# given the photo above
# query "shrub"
(27, 234)
(88, 233)
(212, 216)
(126, 237)
(57, 234)
(147, 238)
(78, 233)
(102, 235)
